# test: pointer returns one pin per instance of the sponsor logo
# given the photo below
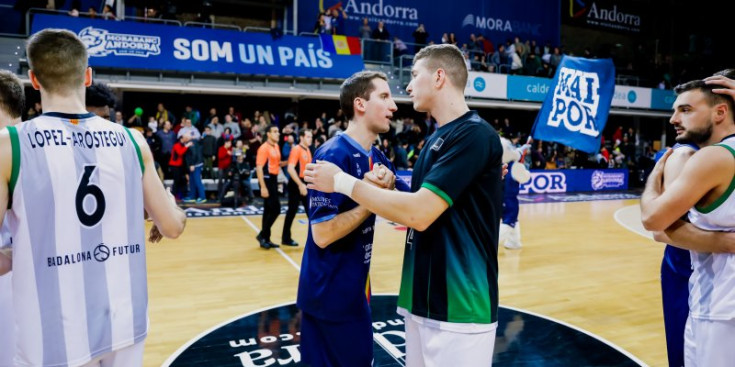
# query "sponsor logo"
(575, 102)
(101, 253)
(487, 23)
(379, 9)
(479, 84)
(632, 96)
(545, 182)
(101, 43)
(610, 17)
(601, 180)
(437, 144)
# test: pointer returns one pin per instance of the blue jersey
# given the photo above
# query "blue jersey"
(334, 282)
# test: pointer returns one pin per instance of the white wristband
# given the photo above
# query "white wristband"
(344, 183)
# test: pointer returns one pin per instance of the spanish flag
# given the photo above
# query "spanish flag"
(341, 45)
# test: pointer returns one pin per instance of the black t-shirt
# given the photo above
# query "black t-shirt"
(450, 270)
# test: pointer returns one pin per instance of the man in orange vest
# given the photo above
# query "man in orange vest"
(267, 166)
(300, 156)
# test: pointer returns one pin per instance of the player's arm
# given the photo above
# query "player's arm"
(327, 232)
(685, 235)
(158, 202)
(6, 166)
(6, 264)
(703, 172)
(293, 158)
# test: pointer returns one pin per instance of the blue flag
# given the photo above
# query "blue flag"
(575, 110)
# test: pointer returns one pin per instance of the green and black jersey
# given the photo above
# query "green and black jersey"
(450, 270)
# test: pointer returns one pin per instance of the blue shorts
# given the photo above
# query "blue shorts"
(675, 271)
(336, 344)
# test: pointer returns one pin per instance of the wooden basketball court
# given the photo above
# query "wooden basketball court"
(577, 265)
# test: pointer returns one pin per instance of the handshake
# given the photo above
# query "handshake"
(327, 177)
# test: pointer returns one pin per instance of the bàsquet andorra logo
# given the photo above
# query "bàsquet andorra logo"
(101, 42)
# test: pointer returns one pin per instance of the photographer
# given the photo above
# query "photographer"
(236, 177)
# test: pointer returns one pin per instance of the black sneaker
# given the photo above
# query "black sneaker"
(273, 245)
(289, 243)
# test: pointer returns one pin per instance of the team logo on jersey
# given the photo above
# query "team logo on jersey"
(101, 252)
(100, 43)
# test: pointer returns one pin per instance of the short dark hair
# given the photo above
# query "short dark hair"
(99, 95)
(58, 58)
(303, 132)
(712, 98)
(271, 126)
(447, 57)
(12, 97)
(359, 85)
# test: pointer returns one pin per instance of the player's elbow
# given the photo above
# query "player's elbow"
(320, 239)
(653, 222)
(175, 227)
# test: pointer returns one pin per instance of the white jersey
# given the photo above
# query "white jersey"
(712, 284)
(79, 271)
(7, 325)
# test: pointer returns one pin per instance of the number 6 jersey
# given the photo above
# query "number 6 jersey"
(76, 218)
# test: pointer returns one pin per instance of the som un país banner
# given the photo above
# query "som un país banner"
(575, 110)
(134, 45)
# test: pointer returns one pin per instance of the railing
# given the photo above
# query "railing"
(212, 25)
(153, 20)
(257, 29)
(377, 51)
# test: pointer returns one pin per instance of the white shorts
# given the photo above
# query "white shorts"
(131, 356)
(708, 343)
(427, 346)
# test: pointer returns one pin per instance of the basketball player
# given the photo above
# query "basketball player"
(74, 186)
(300, 156)
(12, 103)
(703, 188)
(267, 166)
(99, 100)
(449, 286)
(334, 284)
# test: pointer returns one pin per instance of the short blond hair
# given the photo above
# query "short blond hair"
(58, 59)
(447, 57)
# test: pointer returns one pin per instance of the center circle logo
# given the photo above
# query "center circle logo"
(479, 84)
(101, 253)
(632, 96)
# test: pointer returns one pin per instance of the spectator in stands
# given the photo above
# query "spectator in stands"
(399, 48)
(401, 155)
(499, 59)
(152, 123)
(445, 38)
(467, 61)
(538, 161)
(119, 118)
(318, 142)
(209, 152)
(618, 134)
(365, 31)
(338, 20)
(92, 12)
(479, 64)
(420, 36)
(187, 129)
(233, 126)
(516, 64)
(216, 127)
(212, 115)
(107, 13)
(532, 66)
(154, 143)
(224, 159)
(380, 32)
(452, 39)
(555, 58)
(178, 166)
(520, 48)
(194, 162)
(246, 132)
(162, 115)
(321, 26)
(485, 45)
(236, 116)
(319, 129)
(193, 115)
(168, 138)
